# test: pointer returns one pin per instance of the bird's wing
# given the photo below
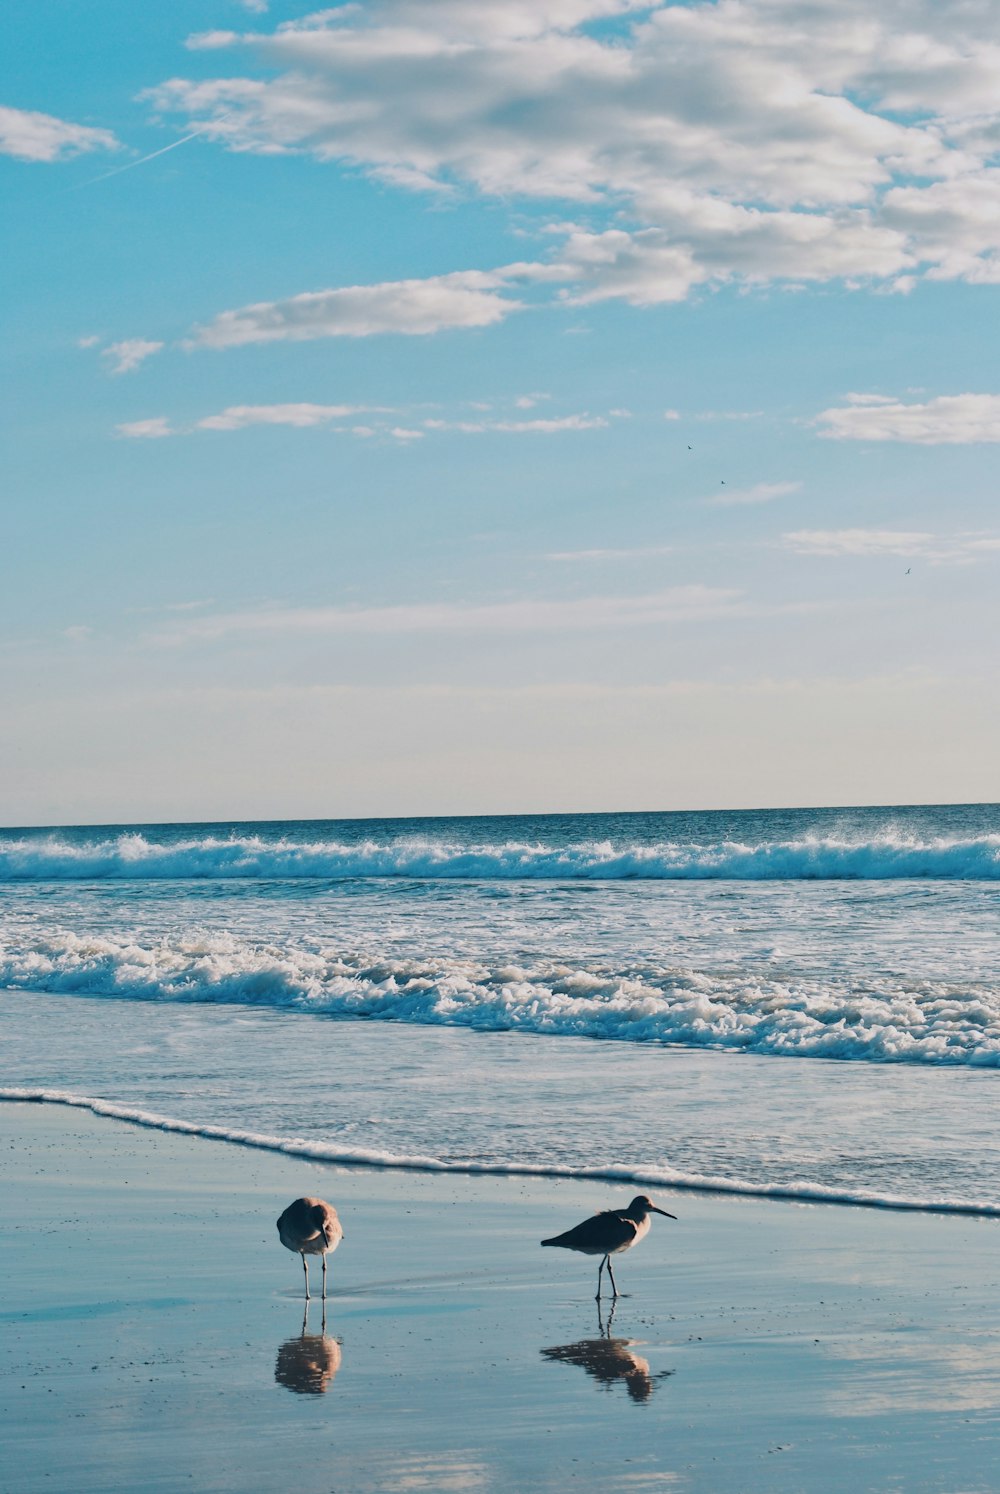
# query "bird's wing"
(608, 1231)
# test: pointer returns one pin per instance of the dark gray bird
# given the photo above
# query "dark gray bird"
(311, 1227)
(610, 1233)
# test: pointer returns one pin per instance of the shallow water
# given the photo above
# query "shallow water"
(505, 993)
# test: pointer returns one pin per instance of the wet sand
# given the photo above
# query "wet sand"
(152, 1333)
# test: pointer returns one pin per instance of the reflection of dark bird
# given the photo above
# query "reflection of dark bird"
(308, 1364)
(609, 1360)
(610, 1233)
(311, 1227)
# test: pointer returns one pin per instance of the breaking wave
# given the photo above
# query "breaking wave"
(664, 1177)
(770, 1010)
(814, 857)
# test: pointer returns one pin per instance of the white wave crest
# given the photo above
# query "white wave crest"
(664, 1177)
(133, 857)
(888, 1020)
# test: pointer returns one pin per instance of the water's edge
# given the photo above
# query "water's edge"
(654, 1177)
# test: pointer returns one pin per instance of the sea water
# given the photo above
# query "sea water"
(801, 1002)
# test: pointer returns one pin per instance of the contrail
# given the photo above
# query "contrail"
(151, 157)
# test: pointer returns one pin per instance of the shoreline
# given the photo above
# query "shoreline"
(323, 1152)
(154, 1332)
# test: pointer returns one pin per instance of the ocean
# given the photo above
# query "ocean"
(796, 1003)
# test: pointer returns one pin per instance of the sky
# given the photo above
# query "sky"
(483, 406)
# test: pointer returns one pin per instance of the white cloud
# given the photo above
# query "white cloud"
(541, 426)
(950, 419)
(905, 544)
(128, 355)
(88, 342)
(677, 604)
(641, 552)
(208, 41)
(304, 415)
(29, 136)
(146, 430)
(760, 492)
(238, 417)
(466, 298)
(752, 139)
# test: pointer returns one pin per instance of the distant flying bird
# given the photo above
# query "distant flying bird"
(610, 1233)
(310, 1227)
(908, 569)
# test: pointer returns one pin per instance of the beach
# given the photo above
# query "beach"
(469, 1036)
(153, 1332)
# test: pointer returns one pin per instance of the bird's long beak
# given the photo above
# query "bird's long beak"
(655, 1210)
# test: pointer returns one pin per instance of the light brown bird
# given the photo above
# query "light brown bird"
(308, 1364)
(610, 1233)
(310, 1226)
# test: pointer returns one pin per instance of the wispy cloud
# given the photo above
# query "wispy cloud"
(960, 548)
(464, 299)
(301, 415)
(640, 552)
(950, 419)
(305, 414)
(545, 427)
(128, 355)
(760, 492)
(146, 430)
(676, 604)
(30, 136)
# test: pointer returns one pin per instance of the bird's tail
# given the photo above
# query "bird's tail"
(550, 1242)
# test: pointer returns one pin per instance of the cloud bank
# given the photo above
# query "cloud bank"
(756, 140)
(951, 419)
(905, 544)
(676, 604)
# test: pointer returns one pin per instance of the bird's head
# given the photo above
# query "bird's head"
(641, 1206)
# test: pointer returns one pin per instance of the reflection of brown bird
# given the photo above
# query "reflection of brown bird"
(311, 1227)
(308, 1364)
(609, 1360)
(610, 1233)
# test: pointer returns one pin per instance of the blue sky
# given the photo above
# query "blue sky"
(498, 406)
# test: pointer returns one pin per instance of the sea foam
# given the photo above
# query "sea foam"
(135, 857)
(663, 1177)
(891, 1019)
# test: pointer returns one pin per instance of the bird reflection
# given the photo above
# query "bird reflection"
(610, 1359)
(309, 1363)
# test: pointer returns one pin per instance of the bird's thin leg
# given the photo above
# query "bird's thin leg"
(599, 1270)
(324, 1276)
(305, 1268)
(614, 1284)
